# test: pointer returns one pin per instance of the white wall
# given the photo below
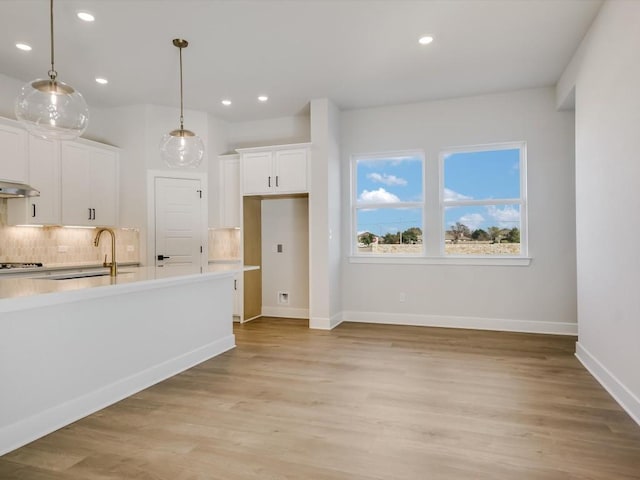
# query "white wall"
(608, 202)
(217, 145)
(538, 297)
(9, 90)
(325, 216)
(285, 221)
(274, 131)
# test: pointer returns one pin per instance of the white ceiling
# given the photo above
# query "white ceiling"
(359, 53)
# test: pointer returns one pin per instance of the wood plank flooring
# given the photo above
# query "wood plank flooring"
(362, 402)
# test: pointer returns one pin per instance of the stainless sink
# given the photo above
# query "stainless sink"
(71, 276)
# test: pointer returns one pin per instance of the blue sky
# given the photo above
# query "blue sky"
(468, 176)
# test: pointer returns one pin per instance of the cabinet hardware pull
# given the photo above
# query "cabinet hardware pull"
(235, 284)
(90, 215)
(94, 213)
(33, 214)
(269, 182)
(276, 180)
(162, 257)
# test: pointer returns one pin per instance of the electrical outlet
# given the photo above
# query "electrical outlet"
(63, 248)
(402, 297)
(129, 248)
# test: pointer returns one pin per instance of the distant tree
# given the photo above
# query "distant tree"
(459, 231)
(366, 238)
(412, 235)
(391, 238)
(480, 235)
(513, 235)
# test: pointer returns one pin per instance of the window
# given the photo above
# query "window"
(483, 201)
(388, 204)
(476, 216)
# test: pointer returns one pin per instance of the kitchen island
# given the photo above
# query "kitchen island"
(71, 347)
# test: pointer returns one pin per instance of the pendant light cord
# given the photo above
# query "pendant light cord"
(52, 73)
(181, 95)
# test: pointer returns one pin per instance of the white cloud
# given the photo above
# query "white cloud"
(386, 179)
(450, 195)
(377, 196)
(507, 216)
(472, 220)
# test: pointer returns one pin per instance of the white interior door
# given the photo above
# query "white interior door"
(178, 222)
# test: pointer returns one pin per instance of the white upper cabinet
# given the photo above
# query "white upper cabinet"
(89, 185)
(44, 176)
(229, 198)
(274, 170)
(13, 152)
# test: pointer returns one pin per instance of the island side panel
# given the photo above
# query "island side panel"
(62, 362)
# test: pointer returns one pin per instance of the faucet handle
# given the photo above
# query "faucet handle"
(105, 264)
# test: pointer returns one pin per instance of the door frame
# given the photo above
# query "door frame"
(151, 211)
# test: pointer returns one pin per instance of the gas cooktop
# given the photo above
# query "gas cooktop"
(8, 265)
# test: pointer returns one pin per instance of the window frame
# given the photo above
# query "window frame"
(355, 206)
(521, 201)
(434, 202)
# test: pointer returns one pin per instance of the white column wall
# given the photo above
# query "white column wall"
(608, 202)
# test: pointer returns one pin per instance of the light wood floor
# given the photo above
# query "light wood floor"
(361, 402)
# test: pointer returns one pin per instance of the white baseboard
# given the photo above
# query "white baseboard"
(285, 312)
(20, 433)
(325, 323)
(621, 394)
(476, 323)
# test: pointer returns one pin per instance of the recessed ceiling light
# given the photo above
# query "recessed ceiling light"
(426, 40)
(23, 46)
(226, 103)
(102, 81)
(86, 16)
(263, 98)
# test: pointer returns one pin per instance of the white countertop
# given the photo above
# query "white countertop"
(41, 289)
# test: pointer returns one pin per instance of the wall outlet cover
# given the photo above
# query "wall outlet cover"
(283, 298)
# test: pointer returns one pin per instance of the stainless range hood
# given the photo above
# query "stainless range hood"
(17, 190)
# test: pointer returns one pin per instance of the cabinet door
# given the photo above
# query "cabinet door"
(44, 175)
(257, 176)
(13, 161)
(104, 186)
(238, 298)
(230, 193)
(75, 185)
(291, 171)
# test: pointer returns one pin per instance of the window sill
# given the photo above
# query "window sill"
(419, 260)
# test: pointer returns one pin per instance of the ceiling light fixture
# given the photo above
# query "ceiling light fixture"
(24, 46)
(426, 40)
(50, 108)
(101, 81)
(226, 103)
(263, 98)
(181, 148)
(86, 16)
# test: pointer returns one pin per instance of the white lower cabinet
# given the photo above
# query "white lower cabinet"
(238, 297)
(89, 185)
(44, 175)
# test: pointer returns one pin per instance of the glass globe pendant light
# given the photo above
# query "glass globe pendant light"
(50, 108)
(181, 148)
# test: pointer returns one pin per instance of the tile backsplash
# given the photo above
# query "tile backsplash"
(62, 246)
(224, 244)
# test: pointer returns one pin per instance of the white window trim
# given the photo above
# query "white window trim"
(521, 202)
(442, 259)
(355, 206)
